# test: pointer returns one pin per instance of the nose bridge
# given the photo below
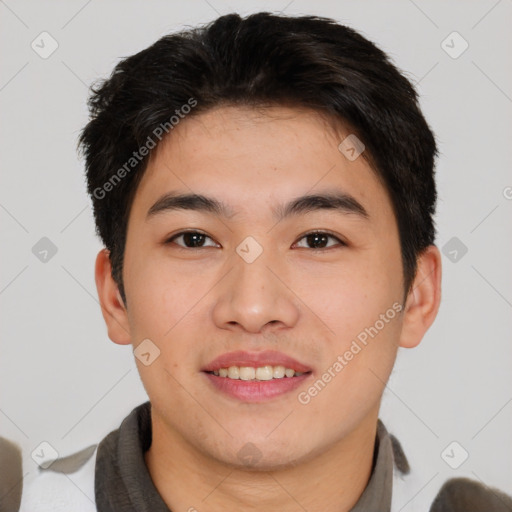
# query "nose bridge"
(251, 295)
(254, 285)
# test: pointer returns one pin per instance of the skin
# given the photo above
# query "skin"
(310, 303)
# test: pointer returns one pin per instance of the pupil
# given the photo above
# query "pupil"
(188, 236)
(316, 236)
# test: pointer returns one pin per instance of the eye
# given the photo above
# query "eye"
(319, 238)
(196, 240)
(191, 239)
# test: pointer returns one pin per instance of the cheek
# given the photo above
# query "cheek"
(165, 308)
(358, 309)
(355, 366)
(161, 295)
(347, 298)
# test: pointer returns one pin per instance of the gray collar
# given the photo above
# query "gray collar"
(377, 495)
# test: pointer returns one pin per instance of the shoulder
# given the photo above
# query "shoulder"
(462, 494)
(11, 475)
(67, 483)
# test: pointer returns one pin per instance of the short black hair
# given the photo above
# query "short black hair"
(261, 60)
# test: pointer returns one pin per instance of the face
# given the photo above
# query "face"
(315, 289)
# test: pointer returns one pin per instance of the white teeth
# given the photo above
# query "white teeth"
(267, 372)
(279, 372)
(234, 372)
(264, 373)
(247, 373)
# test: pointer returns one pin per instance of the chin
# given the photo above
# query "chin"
(263, 463)
(263, 455)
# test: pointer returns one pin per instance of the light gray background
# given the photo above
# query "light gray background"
(64, 382)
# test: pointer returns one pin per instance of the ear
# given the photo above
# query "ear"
(424, 298)
(112, 307)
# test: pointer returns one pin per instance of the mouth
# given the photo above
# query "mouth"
(256, 377)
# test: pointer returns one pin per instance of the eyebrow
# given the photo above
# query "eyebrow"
(339, 201)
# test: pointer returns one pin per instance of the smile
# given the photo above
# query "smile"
(261, 373)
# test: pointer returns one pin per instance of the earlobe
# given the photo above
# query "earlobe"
(424, 298)
(112, 306)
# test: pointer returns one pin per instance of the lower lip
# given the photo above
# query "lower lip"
(256, 390)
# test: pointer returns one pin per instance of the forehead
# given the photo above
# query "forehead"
(252, 159)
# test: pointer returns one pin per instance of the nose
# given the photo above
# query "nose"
(255, 297)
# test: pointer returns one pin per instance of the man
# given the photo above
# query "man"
(264, 188)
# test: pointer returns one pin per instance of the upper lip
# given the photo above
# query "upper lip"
(255, 359)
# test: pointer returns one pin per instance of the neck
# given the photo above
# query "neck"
(331, 481)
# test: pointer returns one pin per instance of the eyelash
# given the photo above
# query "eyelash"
(327, 233)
